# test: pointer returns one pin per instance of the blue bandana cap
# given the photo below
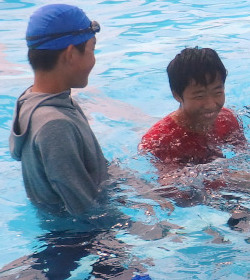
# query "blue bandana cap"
(56, 26)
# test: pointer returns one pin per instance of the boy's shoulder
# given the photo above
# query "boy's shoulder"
(161, 133)
(163, 126)
(227, 117)
(227, 123)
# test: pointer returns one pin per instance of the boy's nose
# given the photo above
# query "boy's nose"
(210, 103)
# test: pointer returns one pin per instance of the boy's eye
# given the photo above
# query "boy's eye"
(198, 97)
(218, 93)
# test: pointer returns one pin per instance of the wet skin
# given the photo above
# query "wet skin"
(200, 105)
(83, 63)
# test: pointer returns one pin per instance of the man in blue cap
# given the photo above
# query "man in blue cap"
(62, 163)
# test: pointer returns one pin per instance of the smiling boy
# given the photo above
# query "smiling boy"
(195, 132)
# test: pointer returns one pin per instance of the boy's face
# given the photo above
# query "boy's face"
(200, 105)
(84, 62)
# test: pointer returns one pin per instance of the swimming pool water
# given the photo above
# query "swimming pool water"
(127, 92)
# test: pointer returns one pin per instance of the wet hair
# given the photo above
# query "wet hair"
(46, 60)
(199, 64)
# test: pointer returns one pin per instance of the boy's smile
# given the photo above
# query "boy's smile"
(200, 105)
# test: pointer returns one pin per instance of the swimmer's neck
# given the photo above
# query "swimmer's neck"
(191, 124)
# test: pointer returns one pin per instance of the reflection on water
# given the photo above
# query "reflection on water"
(100, 253)
(197, 226)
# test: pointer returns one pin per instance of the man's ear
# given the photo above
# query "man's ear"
(177, 97)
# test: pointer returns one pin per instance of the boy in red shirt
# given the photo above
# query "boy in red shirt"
(194, 132)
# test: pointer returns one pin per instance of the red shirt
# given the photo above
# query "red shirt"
(168, 140)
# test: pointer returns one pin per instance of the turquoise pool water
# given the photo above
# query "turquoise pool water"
(127, 92)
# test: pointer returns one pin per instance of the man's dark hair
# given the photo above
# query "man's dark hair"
(46, 60)
(201, 65)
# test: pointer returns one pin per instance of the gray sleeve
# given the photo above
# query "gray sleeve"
(61, 150)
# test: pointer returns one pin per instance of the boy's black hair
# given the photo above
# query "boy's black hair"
(201, 65)
(46, 60)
